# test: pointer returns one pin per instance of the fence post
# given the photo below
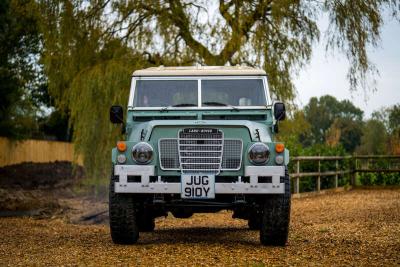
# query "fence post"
(297, 184)
(337, 176)
(319, 177)
(353, 171)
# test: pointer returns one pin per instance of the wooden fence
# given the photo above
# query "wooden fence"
(349, 166)
(14, 152)
(338, 167)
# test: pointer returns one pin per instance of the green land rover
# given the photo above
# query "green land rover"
(199, 139)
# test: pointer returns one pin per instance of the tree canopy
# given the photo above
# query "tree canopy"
(19, 45)
(374, 138)
(91, 47)
(328, 126)
(327, 115)
(390, 118)
(277, 35)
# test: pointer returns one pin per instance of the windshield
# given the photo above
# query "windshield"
(214, 93)
(162, 93)
(240, 92)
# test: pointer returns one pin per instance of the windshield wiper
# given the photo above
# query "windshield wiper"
(220, 105)
(178, 105)
(185, 105)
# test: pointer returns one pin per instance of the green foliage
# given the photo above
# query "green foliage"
(90, 48)
(394, 118)
(369, 179)
(294, 131)
(324, 150)
(344, 131)
(55, 125)
(104, 84)
(379, 178)
(275, 35)
(334, 122)
(353, 26)
(350, 132)
(19, 47)
(374, 138)
(87, 74)
(391, 118)
(308, 184)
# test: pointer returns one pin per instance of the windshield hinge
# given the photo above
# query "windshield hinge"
(143, 134)
(258, 134)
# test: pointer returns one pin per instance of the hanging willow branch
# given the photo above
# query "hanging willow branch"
(90, 48)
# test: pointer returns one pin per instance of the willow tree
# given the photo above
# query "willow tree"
(91, 47)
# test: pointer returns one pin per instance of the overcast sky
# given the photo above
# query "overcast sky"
(327, 75)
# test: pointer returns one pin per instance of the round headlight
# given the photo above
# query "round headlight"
(142, 153)
(259, 153)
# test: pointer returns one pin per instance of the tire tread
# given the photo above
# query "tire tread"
(276, 217)
(123, 216)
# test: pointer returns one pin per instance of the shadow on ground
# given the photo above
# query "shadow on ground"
(205, 235)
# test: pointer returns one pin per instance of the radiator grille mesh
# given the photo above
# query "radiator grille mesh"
(168, 153)
(200, 150)
(232, 156)
(200, 154)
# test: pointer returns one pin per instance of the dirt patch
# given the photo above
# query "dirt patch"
(85, 210)
(35, 189)
(44, 190)
(22, 200)
(29, 175)
(355, 228)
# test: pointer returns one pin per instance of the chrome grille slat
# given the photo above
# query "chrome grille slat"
(202, 149)
(196, 145)
(191, 143)
(199, 151)
(186, 157)
(201, 163)
(208, 139)
(171, 156)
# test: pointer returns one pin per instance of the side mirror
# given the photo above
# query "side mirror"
(116, 114)
(279, 111)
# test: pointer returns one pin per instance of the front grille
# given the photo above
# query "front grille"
(200, 150)
(168, 152)
(232, 157)
(201, 154)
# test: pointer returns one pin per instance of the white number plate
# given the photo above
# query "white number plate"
(198, 186)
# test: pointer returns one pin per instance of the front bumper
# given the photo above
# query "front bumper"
(276, 186)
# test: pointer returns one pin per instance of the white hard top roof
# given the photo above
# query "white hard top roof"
(199, 71)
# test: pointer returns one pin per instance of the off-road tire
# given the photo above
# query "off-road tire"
(123, 219)
(276, 217)
(146, 222)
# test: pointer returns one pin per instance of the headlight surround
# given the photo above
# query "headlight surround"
(142, 153)
(259, 153)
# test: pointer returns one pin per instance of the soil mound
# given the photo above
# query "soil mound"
(31, 175)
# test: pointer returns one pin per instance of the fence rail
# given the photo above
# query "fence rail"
(14, 152)
(356, 164)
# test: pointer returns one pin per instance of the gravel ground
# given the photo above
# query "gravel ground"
(360, 227)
